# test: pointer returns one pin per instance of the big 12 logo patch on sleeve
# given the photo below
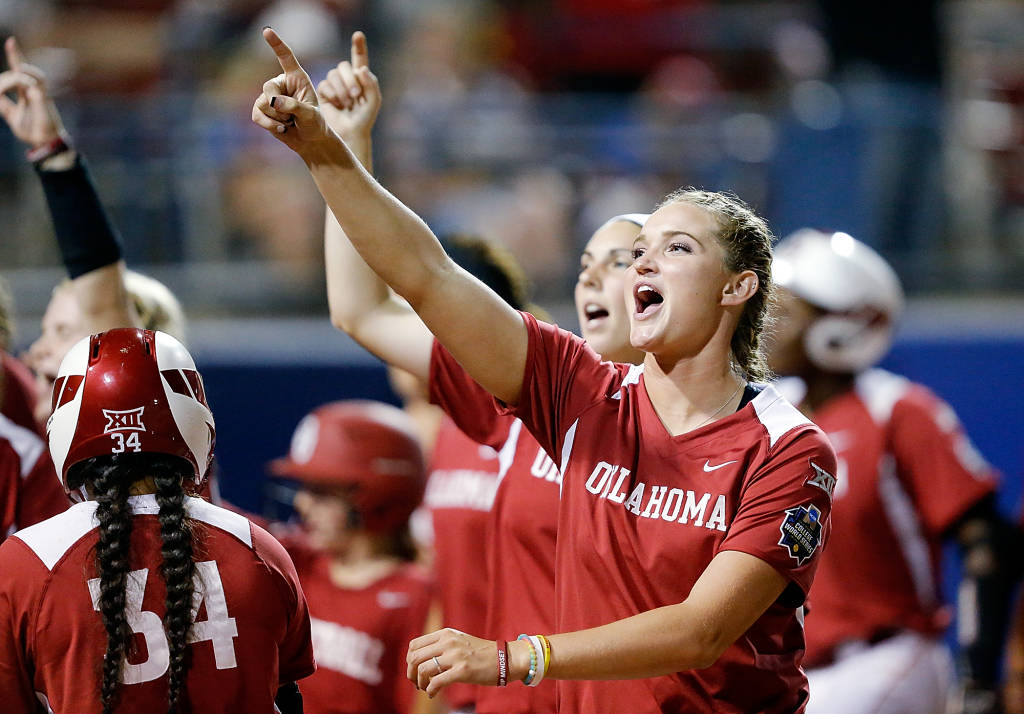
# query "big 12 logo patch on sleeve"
(801, 532)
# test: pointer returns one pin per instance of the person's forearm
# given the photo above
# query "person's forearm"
(394, 242)
(660, 641)
(85, 235)
(90, 247)
(353, 289)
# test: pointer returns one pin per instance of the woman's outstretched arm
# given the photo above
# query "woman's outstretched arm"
(484, 334)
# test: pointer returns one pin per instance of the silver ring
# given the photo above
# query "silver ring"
(437, 664)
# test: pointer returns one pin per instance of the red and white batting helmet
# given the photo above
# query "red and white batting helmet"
(129, 391)
(368, 447)
(853, 284)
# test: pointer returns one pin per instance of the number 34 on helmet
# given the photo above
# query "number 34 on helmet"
(129, 390)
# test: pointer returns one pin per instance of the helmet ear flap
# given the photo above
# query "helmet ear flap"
(847, 343)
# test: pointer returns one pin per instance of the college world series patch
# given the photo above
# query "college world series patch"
(801, 532)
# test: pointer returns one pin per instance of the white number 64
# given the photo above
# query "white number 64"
(219, 629)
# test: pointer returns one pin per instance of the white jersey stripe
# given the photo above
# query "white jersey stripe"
(25, 443)
(632, 377)
(880, 391)
(778, 416)
(570, 437)
(899, 509)
(52, 538)
(508, 450)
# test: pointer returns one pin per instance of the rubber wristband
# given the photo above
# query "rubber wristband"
(541, 670)
(58, 145)
(502, 663)
(528, 679)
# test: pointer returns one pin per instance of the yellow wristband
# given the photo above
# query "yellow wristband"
(547, 652)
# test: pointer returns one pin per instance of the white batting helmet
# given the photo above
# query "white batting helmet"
(129, 390)
(853, 284)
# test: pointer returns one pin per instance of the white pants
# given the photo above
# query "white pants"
(905, 674)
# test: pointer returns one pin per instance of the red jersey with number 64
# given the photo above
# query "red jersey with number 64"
(250, 632)
(642, 513)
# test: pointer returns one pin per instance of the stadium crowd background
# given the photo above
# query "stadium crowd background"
(530, 122)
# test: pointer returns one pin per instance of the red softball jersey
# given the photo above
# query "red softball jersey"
(250, 632)
(520, 531)
(29, 489)
(642, 513)
(460, 491)
(906, 472)
(360, 636)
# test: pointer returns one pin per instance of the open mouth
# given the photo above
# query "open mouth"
(592, 311)
(648, 300)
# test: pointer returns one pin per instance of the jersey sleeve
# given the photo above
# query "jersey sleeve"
(471, 407)
(783, 515)
(562, 378)
(936, 460)
(10, 479)
(296, 648)
(41, 495)
(15, 605)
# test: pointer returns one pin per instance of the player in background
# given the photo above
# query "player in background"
(100, 293)
(686, 594)
(215, 599)
(522, 520)
(908, 478)
(25, 466)
(361, 473)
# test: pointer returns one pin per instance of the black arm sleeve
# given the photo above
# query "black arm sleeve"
(289, 699)
(989, 545)
(85, 235)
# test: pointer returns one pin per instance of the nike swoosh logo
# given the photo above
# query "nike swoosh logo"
(709, 468)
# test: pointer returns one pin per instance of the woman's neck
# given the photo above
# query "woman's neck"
(690, 393)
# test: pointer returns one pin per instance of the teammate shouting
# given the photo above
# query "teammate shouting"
(693, 504)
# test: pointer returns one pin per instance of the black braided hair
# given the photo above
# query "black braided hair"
(108, 479)
(177, 570)
(110, 491)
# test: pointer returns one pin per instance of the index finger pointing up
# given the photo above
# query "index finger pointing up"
(360, 55)
(284, 53)
(14, 56)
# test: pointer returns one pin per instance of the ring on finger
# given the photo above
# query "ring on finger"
(437, 664)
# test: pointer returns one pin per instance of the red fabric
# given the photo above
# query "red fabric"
(52, 640)
(460, 491)
(29, 489)
(520, 531)
(361, 637)
(18, 393)
(617, 553)
(906, 474)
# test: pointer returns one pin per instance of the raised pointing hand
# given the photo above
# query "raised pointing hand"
(32, 117)
(288, 105)
(351, 94)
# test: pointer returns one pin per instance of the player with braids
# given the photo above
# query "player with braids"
(131, 434)
(694, 504)
(113, 551)
(177, 568)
